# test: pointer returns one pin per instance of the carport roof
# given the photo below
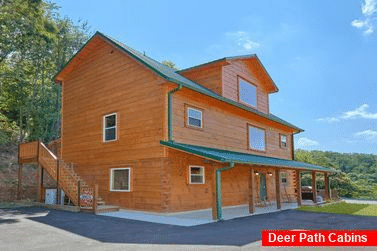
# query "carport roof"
(242, 158)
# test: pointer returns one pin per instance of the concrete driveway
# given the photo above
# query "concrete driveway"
(33, 228)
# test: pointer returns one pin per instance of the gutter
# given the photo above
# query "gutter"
(218, 190)
(170, 112)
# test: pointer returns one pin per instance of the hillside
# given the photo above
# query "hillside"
(357, 172)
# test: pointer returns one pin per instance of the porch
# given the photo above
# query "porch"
(237, 178)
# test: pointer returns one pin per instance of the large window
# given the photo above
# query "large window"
(196, 175)
(194, 117)
(110, 127)
(248, 93)
(257, 138)
(120, 179)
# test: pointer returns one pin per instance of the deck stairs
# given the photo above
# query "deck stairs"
(75, 188)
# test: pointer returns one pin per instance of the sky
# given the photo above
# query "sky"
(322, 55)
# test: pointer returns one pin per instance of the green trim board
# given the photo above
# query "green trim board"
(226, 156)
(174, 77)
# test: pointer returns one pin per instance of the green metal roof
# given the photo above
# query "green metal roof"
(174, 76)
(242, 158)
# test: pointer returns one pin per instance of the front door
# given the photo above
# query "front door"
(262, 188)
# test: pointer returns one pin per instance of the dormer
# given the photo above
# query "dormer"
(242, 79)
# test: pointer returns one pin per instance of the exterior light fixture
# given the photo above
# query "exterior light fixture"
(269, 173)
(256, 172)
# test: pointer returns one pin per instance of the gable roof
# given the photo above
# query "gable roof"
(250, 58)
(226, 156)
(174, 77)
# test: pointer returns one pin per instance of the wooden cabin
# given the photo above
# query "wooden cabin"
(156, 139)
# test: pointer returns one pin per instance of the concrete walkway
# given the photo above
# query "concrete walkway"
(359, 201)
(197, 217)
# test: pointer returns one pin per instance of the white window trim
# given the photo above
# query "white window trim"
(204, 176)
(104, 127)
(281, 177)
(112, 175)
(281, 140)
(188, 117)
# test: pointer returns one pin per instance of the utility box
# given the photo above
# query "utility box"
(50, 196)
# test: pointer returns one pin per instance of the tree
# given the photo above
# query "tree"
(170, 64)
(35, 43)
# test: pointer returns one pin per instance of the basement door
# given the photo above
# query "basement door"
(263, 187)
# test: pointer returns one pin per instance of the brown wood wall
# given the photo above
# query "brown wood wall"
(224, 128)
(230, 75)
(150, 185)
(207, 76)
(186, 196)
(108, 81)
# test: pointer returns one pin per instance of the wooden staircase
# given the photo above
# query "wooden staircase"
(79, 193)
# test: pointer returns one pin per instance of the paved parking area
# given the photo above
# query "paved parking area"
(36, 228)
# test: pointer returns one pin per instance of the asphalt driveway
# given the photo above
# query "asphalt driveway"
(236, 232)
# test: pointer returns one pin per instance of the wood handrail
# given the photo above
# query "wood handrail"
(61, 172)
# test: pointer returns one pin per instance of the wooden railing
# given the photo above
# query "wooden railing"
(63, 173)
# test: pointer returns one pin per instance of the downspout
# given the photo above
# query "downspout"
(170, 112)
(218, 191)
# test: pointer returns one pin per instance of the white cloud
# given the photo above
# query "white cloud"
(360, 112)
(242, 39)
(368, 134)
(368, 9)
(329, 119)
(303, 142)
(357, 23)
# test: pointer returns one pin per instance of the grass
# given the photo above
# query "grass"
(343, 208)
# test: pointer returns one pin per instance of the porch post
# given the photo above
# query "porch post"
(277, 183)
(251, 191)
(19, 187)
(327, 187)
(214, 203)
(298, 187)
(314, 186)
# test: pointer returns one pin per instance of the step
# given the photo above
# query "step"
(107, 208)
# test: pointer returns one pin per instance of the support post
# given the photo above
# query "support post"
(58, 192)
(95, 197)
(19, 187)
(79, 193)
(40, 183)
(277, 184)
(251, 191)
(314, 186)
(219, 200)
(327, 186)
(298, 187)
(214, 197)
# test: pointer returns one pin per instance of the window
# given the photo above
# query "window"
(196, 175)
(248, 93)
(283, 140)
(257, 138)
(194, 117)
(110, 127)
(283, 178)
(120, 179)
